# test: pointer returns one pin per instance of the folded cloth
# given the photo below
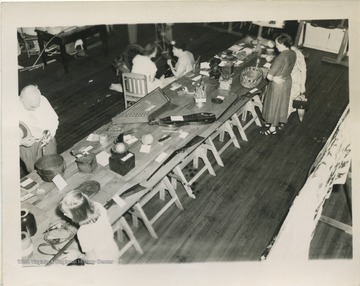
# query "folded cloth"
(116, 86)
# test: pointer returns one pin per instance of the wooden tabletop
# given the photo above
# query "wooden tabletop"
(113, 184)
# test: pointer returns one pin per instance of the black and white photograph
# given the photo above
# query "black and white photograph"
(180, 143)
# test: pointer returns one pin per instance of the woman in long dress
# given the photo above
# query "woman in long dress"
(277, 98)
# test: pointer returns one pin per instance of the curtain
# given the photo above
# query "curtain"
(330, 167)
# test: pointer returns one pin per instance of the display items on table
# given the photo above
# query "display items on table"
(87, 164)
(251, 77)
(120, 170)
(121, 160)
(49, 166)
(28, 222)
(181, 120)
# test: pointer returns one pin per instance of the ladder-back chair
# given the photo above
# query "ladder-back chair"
(134, 87)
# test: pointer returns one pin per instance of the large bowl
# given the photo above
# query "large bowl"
(48, 166)
(250, 77)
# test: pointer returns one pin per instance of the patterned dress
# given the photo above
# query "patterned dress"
(298, 76)
(277, 98)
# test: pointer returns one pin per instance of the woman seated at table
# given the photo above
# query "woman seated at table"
(184, 64)
(143, 64)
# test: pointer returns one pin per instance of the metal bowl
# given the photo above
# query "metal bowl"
(48, 166)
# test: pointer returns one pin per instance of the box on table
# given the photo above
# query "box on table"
(122, 163)
(87, 164)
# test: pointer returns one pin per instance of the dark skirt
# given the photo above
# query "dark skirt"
(276, 103)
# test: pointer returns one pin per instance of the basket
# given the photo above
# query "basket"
(49, 166)
(250, 77)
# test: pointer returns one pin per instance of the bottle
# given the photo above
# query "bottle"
(202, 87)
(258, 47)
(28, 223)
(257, 62)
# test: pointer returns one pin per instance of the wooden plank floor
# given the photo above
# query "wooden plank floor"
(235, 214)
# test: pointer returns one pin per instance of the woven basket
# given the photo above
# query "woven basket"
(49, 166)
(250, 77)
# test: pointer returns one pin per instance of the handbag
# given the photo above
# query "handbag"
(301, 102)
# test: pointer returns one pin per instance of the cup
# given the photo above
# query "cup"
(103, 139)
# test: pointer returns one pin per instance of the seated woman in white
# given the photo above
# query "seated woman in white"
(184, 64)
(142, 64)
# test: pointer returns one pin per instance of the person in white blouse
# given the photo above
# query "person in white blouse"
(143, 64)
(94, 234)
(41, 122)
(184, 64)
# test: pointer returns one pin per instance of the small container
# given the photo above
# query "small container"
(28, 222)
(27, 247)
(87, 164)
(103, 139)
(147, 139)
(122, 163)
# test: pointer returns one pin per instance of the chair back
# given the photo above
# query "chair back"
(134, 87)
(197, 63)
(30, 43)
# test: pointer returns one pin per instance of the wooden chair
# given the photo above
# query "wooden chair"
(197, 63)
(30, 43)
(134, 87)
(138, 211)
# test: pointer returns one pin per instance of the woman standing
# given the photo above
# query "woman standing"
(276, 104)
(39, 117)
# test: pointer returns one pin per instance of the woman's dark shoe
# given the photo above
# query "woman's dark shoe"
(268, 131)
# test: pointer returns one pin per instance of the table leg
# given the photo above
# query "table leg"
(103, 35)
(41, 46)
(63, 58)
